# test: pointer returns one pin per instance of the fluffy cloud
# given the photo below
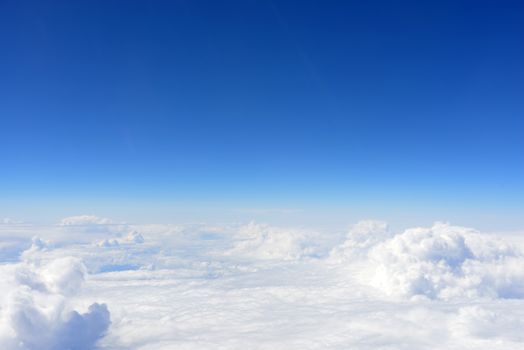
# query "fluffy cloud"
(268, 242)
(35, 311)
(445, 262)
(133, 237)
(363, 236)
(94, 225)
(235, 286)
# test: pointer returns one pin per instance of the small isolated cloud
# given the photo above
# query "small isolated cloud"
(132, 238)
(108, 243)
(35, 311)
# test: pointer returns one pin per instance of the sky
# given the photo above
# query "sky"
(261, 174)
(289, 111)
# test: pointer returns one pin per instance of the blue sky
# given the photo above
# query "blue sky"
(277, 110)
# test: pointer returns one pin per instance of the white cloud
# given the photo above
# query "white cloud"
(363, 236)
(267, 242)
(447, 261)
(93, 225)
(133, 237)
(256, 286)
(480, 322)
(84, 220)
(35, 311)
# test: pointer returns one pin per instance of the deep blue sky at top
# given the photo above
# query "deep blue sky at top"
(266, 103)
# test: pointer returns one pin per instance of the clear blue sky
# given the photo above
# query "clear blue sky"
(145, 109)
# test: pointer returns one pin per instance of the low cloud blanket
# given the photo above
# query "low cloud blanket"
(90, 283)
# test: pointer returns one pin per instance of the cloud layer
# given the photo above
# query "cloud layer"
(257, 286)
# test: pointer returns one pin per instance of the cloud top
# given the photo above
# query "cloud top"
(267, 242)
(35, 312)
(446, 261)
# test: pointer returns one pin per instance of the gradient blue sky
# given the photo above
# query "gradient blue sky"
(330, 111)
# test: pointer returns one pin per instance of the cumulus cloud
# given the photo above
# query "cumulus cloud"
(108, 243)
(90, 224)
(361, 237)
(268, 242)
(35, 311)
(444, 262)
(133, 237)
(102, 232)
(38, 245)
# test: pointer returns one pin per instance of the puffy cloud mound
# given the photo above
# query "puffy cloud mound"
(266, 242)
(35, 311)
(108, 243)
(90, 224)
(444, 262)
(363, 236)
(37, 245)
(132, 238)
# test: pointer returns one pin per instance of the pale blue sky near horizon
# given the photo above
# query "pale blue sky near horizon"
(298, 112)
